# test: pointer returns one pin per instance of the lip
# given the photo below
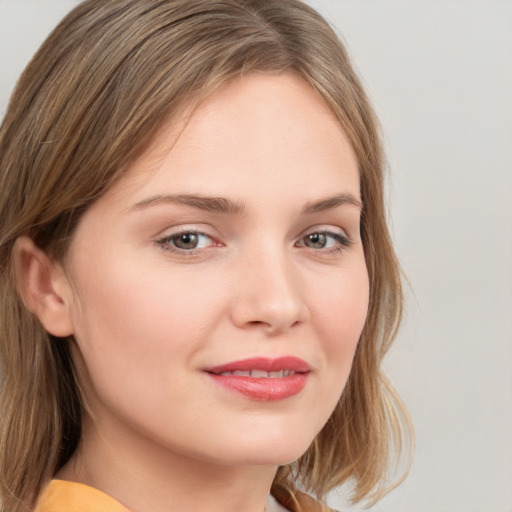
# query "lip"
(265, 364)
(263, 389)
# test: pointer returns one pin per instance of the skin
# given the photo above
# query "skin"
(148, 317)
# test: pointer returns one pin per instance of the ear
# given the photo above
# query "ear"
(44, 287)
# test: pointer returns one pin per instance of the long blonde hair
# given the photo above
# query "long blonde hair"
(89, 102)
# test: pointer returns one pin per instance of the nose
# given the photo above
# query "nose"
(268, 294)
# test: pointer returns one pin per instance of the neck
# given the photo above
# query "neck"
(144, 476)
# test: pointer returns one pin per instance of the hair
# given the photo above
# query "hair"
(90, 101)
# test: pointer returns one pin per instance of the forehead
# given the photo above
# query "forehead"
(260, 134)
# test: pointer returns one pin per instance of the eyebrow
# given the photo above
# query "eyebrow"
(331, 202)
(209, 204)
(229, 207)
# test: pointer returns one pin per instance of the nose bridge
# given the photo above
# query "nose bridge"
(269, 291)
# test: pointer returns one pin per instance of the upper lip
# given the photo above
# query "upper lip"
(262, 363)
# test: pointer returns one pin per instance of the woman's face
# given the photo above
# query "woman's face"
(218, 290)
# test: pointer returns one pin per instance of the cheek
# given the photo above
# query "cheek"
(133, 303)
(338, 304)
(341, 306)
(136, 326)
(339, 315)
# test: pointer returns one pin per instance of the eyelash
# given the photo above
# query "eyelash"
(342, 242)
(165, 243)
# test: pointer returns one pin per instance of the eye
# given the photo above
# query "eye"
(325, 241)
(186, 241)
(316, 240)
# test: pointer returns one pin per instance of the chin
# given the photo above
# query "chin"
(271, 451)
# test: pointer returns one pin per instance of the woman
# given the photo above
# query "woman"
(198, 281)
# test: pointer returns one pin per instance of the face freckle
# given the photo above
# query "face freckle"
(203, 266)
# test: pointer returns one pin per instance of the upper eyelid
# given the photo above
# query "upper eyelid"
(209, 231)
(325, 228)
(334, 234)
(201, 229)
(174, 234)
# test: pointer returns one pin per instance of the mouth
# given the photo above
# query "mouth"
(261, 379)
(260, 374)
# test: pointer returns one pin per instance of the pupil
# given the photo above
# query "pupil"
(186, 241)
(317, 240)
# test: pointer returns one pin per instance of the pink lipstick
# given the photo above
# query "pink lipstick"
(262, 379)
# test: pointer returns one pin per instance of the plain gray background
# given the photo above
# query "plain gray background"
(440, 75)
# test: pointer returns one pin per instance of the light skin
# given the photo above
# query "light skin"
(234, 236)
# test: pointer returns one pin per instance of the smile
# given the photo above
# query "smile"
(260, 374)
(263, 380)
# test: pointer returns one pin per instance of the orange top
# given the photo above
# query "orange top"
(64, 496)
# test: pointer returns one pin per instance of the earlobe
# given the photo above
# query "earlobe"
(44, 287)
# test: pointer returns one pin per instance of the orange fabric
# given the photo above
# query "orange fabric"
(62, 496)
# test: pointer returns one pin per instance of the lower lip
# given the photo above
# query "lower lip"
(263, 389)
